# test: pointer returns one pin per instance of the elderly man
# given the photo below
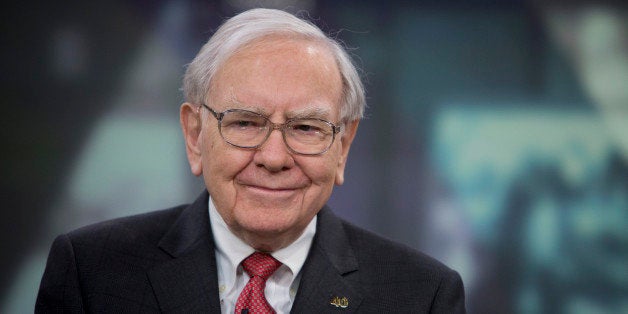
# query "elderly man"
(272, 106)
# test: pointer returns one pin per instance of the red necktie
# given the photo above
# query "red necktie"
(259, 266)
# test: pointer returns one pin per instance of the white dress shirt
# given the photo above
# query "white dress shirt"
(281, 287)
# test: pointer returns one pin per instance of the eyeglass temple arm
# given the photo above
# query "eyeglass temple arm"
(337, 128)
(216, 115)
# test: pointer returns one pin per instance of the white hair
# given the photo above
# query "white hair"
(254, 24)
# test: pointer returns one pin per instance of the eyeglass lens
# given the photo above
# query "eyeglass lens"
(248, 130)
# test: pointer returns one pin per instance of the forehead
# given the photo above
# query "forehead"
(291, 75)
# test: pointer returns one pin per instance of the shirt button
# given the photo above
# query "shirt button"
(222, 288)
(292, 292)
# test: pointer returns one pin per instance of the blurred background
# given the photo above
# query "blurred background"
(496, 136)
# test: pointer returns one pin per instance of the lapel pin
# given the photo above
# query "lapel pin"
(339, 302)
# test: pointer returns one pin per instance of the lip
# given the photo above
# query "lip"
(270, 189)
(266, 189)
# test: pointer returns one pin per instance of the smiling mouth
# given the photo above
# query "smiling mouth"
(268, 189)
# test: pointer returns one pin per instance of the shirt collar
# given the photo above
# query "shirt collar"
(235, 250)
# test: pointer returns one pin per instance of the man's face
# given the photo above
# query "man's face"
(268, 195)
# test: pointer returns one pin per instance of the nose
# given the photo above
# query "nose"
(274, 154)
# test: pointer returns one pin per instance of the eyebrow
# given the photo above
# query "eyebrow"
(304, 113)
(309, 112)
(234, 104)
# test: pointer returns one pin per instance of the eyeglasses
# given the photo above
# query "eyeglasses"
(248, 129)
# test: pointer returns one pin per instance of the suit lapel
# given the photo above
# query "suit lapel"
(188, 281)
(330, 272)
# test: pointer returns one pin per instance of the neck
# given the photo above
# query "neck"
(268, 241)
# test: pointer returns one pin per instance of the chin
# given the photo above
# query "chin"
(268, 235)
(267, 224)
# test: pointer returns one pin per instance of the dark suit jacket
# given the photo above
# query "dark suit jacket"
(164, 262)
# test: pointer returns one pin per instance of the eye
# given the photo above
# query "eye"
(306, 128)
(309, 128)
(240, 124)
(243, 121)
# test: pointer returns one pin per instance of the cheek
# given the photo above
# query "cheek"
(322, 175)
(321, 171)
(222, 162)
(220, 168)
(225, 164)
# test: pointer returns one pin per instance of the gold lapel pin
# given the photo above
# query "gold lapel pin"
(339, 302)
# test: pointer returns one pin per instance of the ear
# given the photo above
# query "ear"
(345, 141)
(191, 127)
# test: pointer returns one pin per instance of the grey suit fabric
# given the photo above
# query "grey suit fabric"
(164, 261)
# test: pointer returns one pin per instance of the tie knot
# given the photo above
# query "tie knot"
(260, 264)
